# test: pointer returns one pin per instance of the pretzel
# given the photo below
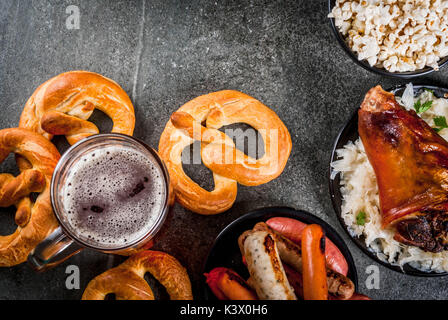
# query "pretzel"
(34, 220)
(127, 280)
(62, 105)
(228, 164)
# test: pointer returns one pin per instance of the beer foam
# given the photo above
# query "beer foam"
(113, 196)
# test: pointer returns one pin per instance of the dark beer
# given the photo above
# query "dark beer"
(113, 196)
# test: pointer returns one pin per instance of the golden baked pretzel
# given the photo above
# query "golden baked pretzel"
(228, 164)
(127, 280)
(62, 105)
(34, 220)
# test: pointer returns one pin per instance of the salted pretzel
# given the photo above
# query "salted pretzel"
(34, 220)
(218, 152)
(62, 105)
(127, 280)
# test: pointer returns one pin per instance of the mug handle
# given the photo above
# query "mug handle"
(53, 250)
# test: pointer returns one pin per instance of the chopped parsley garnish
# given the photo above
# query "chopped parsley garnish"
(429, 90)
(361, 218)
(440, 122)
(420, 108)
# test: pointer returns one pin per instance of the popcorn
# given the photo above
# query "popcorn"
(398, 35)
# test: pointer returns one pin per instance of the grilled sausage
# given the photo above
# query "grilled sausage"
(295, 280)
(265, 268)
(313, 260)
(226, 284)
(339, 285)
(292, 229)
(290, 253)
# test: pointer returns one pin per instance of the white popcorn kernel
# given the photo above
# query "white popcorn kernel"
(372, 61)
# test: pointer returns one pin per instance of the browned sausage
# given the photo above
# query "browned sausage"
(265, 267)
(292, 229)
(290, 253)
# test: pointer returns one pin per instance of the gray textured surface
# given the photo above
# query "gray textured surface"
(165, 53)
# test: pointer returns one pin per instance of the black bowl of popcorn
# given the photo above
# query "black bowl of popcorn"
(397, 40)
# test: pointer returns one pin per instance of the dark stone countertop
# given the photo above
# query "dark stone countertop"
(164, 53)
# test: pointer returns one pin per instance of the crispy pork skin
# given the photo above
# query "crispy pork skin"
(410, 161)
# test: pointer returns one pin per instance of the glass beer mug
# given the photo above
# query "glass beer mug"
(110, 193)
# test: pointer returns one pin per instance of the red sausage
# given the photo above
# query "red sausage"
(226, 284)
(314, 274)
(292, 229)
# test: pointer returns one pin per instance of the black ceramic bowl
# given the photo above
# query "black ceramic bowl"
(226, 253)
(350, 133)
(366, 65)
